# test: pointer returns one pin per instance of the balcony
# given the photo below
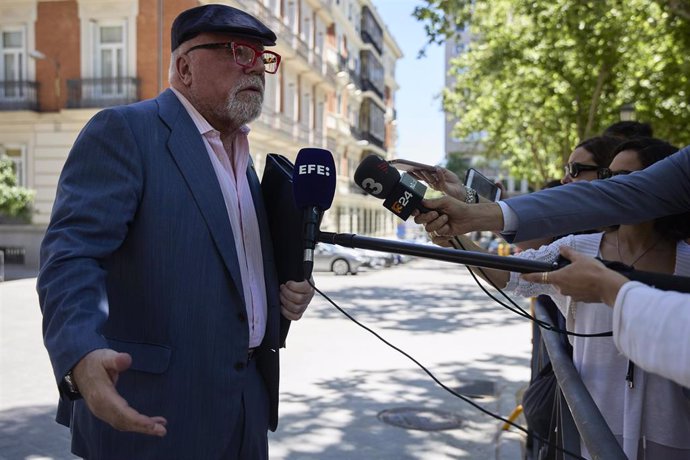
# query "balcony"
(102, 92)
(372, 126)
(372, 73)
(18, 95)
(372, 32)
(331, 73)
(352, 73)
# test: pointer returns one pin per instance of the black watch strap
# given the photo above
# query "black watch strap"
(69, 388)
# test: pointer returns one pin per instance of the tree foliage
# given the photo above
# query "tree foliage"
(541, 75)
(15, 201)
(458, 164)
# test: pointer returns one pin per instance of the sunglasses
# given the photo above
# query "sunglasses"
(606, 173)
(574, 169)
(245, 55)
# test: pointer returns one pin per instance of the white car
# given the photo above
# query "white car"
(336, 259)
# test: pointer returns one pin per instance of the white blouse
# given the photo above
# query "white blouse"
(651, 419)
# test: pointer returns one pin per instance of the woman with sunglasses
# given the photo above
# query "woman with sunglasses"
(648, 414)
(589, 159)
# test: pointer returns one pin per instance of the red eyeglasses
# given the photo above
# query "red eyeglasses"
(245, 55)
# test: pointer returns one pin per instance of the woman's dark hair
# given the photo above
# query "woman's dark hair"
(649, 150)
(602, 149)
(629, 130)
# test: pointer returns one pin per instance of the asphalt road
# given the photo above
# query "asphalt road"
(343, 392)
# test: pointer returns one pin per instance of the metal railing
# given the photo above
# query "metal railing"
(331, 73)
(372, 137)
(589, 424)
(18, 95)
(331, 144)
(102, 92)
(302, 133)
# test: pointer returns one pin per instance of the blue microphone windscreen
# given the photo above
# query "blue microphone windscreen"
(376, 176)
(313, 178)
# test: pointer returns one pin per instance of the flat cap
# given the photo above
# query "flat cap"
(218, 18)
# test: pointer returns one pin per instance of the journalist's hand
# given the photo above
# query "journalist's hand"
(585, 279)
(443, 180)
(450, 217)
(95, 376)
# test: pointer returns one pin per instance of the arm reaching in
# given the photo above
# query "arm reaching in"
(443, 180)
(585, 279)
(446, 181)
(96, 375)
(450, 217)
(652, 328)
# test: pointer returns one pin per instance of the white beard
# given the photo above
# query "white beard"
(242, 112)
(249, 108)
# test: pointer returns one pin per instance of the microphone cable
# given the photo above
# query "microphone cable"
(441, 384)
(515, 308)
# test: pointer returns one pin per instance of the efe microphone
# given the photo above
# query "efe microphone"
(401, 194)
(313, 184)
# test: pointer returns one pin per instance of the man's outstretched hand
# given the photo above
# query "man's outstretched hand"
(95, 376)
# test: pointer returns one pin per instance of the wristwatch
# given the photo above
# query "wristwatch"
(471, 196)
(69, 387)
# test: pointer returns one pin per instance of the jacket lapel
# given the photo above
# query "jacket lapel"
(189, 153)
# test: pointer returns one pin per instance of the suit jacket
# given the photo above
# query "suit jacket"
(140, 257)
(660, 190)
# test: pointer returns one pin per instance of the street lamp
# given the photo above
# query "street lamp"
(627, 112)
(35, 54)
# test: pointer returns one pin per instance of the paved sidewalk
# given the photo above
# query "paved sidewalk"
(336, 377)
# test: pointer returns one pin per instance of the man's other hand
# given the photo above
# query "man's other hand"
(95, 376)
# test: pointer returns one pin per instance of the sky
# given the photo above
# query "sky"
(418, 103)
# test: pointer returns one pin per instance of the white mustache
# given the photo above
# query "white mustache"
(254, 82)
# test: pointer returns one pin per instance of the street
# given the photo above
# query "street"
(339, 383)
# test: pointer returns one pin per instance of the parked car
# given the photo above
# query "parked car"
(336, 259)
(377, 259)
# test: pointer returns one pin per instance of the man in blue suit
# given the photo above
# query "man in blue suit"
(161, 305)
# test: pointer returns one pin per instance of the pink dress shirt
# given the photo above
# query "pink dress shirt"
(241, 213)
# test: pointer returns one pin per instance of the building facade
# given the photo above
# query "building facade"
(64, 60)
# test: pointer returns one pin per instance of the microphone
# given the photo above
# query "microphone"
(313, 185)
(401, 194)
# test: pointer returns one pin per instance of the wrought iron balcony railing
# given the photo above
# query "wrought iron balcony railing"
(18, 95)
(102, 92)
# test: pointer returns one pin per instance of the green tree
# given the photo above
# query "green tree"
(458, 163)
(541, 75)
(14, 201)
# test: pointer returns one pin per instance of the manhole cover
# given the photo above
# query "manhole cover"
(477, 389)
(420, 419)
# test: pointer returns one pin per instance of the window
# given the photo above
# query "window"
(17, 155)
(270, 95)
(108, 54)
(110, 58)
(318, 116)
(13, 62)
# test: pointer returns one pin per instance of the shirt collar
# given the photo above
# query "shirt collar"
(200, 122)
